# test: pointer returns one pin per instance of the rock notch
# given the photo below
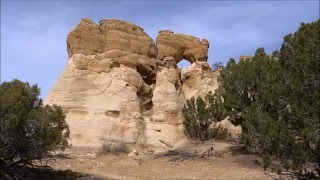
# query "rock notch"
(118, 86)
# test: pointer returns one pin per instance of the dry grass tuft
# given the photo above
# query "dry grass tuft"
(111, 148)
(177, 155)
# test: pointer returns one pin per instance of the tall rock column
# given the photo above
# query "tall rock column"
(165, 127)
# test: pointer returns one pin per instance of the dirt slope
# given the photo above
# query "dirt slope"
(232, 164)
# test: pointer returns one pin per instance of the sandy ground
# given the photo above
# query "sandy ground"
(232, 164)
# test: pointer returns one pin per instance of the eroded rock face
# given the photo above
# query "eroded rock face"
(198, 80)
(181, 46)
(118, 86)
(100, 99)
(106, 81)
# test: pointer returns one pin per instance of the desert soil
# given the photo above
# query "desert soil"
(229, 163)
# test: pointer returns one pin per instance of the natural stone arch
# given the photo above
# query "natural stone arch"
(181, 46)
(117, 88)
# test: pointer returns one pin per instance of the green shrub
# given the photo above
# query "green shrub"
(28, 130)
(200, 113)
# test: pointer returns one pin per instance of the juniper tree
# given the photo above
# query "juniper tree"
(28, 129)
(277, 102)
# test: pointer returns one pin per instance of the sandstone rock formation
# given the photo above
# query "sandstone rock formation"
(245, 57)
(167, 115)
(249, 58)
(181, 46)
(118, 86)
(198, 79)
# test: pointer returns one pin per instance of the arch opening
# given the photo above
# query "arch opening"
(183, 63)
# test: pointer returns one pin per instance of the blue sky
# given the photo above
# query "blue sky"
(33, 33)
